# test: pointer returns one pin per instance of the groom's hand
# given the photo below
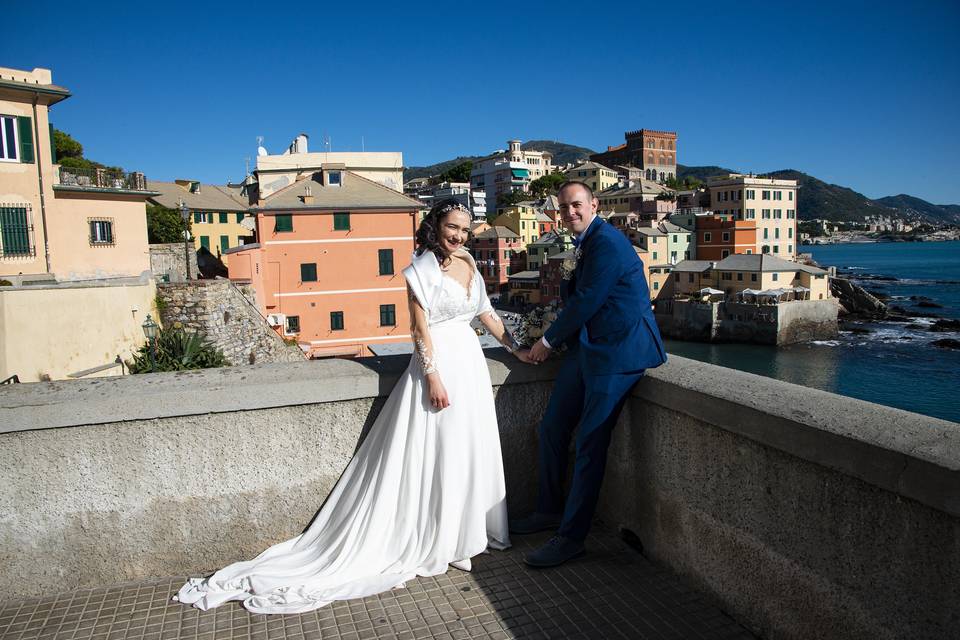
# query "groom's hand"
(524, 356)
(539, 351)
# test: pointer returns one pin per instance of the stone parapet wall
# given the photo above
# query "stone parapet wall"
(807, 514)
(166, 262)
(227, 314)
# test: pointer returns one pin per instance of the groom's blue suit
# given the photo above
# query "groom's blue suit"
(608, 325)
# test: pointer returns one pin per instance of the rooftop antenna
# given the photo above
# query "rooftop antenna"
(260, 150)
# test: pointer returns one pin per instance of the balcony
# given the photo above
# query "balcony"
(101, 181)
(799, 513)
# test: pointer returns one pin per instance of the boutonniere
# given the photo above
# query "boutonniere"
(569, 265)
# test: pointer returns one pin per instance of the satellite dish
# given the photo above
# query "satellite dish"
(261, 151)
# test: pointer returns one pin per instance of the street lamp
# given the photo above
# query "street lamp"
(185, 214)
(150, 330)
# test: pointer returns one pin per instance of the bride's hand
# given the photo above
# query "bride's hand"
(438, 393)
(523, 355)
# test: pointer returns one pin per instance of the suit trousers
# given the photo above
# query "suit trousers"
(592, 403)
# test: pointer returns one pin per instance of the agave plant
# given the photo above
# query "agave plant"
(177, 350)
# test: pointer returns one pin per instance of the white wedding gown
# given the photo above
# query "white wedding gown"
(424, 490)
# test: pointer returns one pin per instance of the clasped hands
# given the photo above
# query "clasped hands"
(535, 354)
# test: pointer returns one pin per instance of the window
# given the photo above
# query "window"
(308, 272)
(751, 194)
(766, 234)
(726, 236)
(765, 214)
(751, 214)
(656, 285)
(101, 232)
(15, 231)
(674, 237)
(385, 257)
(654, 255)
(778, 195)
(689, 277)
(724, 253)
(202, 216)
(753, 277)
(739, 276)
(283, 223)
(775, 276)
(766, 248)
(336, 321)
(240, 217)
(205, 242)
(776, 233)
(293, 324)
(765, 195)
(726, 275)
(790, 195)
(776, 248)
(16, 139)
(791, 214)
(341, 221)
(224, 243)
(222, 217)
(388, 315)
(706, 236)
(789, 248)
(778, 214)
(333, 178)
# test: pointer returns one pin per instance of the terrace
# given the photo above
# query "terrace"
(734, 505)
(101, 180)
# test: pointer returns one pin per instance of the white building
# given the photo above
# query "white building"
(510, 170)
(274, 172)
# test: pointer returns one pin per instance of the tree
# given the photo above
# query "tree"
(508, 198)
(546, 185)
(164, 225)
(459, 173)
(66, 146)
(688, 182)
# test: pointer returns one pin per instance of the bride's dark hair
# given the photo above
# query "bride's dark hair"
(428, 234)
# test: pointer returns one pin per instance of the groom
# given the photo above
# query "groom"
(608, 325)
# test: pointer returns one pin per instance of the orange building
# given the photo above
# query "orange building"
(721, 236)
(327, 263)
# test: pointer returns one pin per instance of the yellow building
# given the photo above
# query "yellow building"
(771, 203)
(521, 218)
(217, 212)
(756, 272)
(593, 174)
(73, 247)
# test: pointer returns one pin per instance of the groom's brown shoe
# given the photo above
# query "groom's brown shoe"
(535, 523)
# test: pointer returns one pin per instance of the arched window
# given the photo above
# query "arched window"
(651, 144)
(661, 145)
(671, 145)
(650, 157)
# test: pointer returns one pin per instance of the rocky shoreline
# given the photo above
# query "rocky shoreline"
(861, 307)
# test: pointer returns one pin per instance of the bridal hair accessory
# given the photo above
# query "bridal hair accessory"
(454, 206)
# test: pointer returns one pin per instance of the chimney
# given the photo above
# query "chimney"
(307, 197)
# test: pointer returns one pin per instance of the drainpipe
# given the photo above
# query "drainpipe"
(43, 202)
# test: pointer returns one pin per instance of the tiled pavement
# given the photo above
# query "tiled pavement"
(612, 592)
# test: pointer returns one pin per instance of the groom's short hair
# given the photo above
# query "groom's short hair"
(577, 183)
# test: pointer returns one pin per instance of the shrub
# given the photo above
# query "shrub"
(177, 350)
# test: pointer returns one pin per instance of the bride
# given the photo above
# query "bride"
(425, 489)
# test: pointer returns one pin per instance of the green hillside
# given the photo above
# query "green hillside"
(562, 152)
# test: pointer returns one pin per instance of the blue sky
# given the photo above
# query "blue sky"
(863, 94)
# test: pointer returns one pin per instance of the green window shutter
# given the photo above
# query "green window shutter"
(283, 223)
(308, 272)
(25, 126)
(386, 261)
(224, 243)
(240, 217)
(336, 320)
(223, 217)
(53, 145)
(205, 242)
(341, 221)
(196, 217)
(15, 231)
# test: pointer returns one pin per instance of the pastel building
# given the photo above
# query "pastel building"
(217, 212)
(278, 171)
(755, 272)
(522, 218)
(593, 174)
(549, 244)
(493, 249)
(74, 256)
(509, 170)
(653, 152)
(630, 195)
(770, 204)
(326, 267)
(719, 236)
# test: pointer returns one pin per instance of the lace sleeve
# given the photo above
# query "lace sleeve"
(422, 344)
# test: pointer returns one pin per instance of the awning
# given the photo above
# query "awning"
(520, 173)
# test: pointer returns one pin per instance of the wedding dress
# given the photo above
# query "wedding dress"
(424, 490)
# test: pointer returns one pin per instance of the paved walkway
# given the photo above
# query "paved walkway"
(612, 592)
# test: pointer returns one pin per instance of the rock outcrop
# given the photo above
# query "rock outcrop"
(856, 300)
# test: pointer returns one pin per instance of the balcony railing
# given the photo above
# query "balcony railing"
(102, 179)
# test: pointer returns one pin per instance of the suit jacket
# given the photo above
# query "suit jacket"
(607, 317)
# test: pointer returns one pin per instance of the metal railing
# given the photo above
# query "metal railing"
(102, 179)
(14, 379)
